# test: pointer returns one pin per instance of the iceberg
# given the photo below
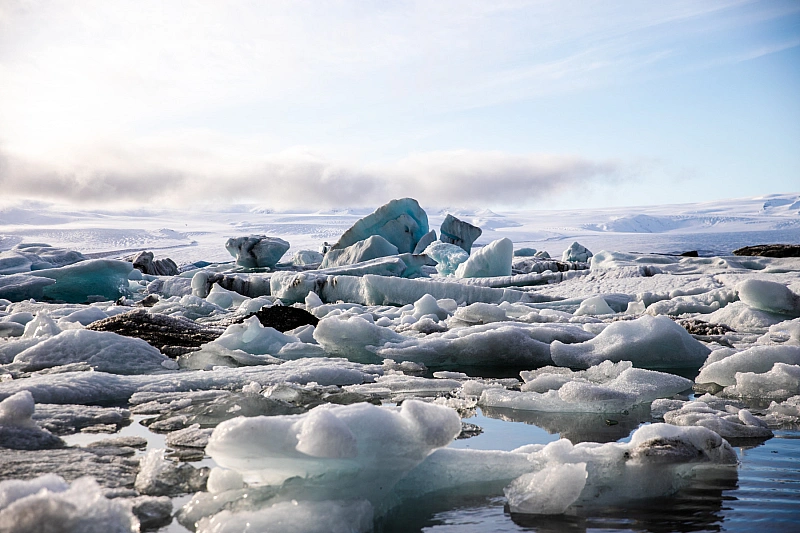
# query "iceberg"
(91, 280)
(372, 247)
(402, 222)
(769, 296)
(492, 260)
(576, 252)
(447, 256)
(458, 232)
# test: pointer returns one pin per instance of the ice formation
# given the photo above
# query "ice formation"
(494, 259)
(651, 342)
(447, 256)
(370, 248)
(401, 222)
(576, 252)
(91, 280)
(458, 232)
(257, 250)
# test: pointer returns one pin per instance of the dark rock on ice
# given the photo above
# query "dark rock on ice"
(284, 317)
(172, 336)
(458, 232)
(699, 327)
(402, 222)
(770, 250)
(144, 262)
(257, 251)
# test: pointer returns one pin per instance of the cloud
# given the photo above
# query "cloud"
(302, 178)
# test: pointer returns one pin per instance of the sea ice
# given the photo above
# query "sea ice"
(492, 260)
(652, 342)
(757, 359)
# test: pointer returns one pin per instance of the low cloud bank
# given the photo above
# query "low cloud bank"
(299, 178)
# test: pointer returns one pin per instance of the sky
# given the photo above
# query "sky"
(318, 104)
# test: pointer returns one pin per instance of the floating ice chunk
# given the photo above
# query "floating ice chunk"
(479, 313)
(458, 232)
(251, 337)
(354, 337)
(41, 326)
(571, 397)
(388, 444)
(329, 516)
(370, 248)
(779, 383)
(785, 413)
(428, 305)
(402, 222)
(257, 250)
(224, 298)
(730, 424)
(758, 359)
(19, 287)
(68, 419)
(9, 328)
(306, 258)
(400, 385)
(576, 252)
(769, 296)
(494, 259)
(647, 342)
(595, 305)
(17, 429)
(549, 491)
(14, 489)
(447, 256)
(741, 317)
(91, 280)
(707, 302)
(103, 350)
(787, 333)
(525, 252)
(635, 308)
(82, 507)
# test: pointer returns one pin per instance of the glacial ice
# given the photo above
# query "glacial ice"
(548, 491)
(35, 256)
(576, 252)
(91, 280)
(402, 222)
(360, 450)
(769, 296)
(257, 250)
(104, 351)
(447, 256)
(372, 247)
(459, 233)
(758, 359)
(650, 342)
(492, 260)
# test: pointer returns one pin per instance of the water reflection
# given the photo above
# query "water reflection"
(577, 427)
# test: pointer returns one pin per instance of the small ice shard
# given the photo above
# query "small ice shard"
(46, 504)
(595, 305)
(159, 476)
(647, 342)
(370, 248)
(18, 431)
(91, 280)
(576, 252)
(103, 350)
(458, 232)
(362, 453)
(402, 222)
(447, 256)
(257, 250)
(769, 296)
(494, 259)
(549, 491)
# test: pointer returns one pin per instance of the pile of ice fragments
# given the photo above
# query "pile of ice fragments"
(331, 384)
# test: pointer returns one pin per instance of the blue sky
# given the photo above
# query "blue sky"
(543, 104)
